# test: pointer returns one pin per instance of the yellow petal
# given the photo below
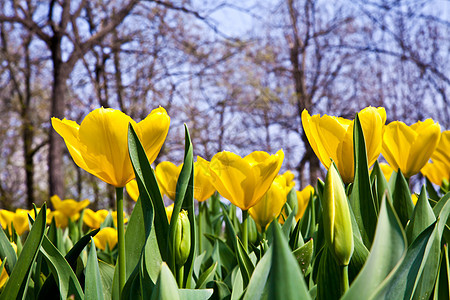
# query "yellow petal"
(20, 221)
(428, 134)
(169, 211)
(303, 198)
(93, 219)
(3, 276)
(6, 218)
(436, 172)
(106, 236)
(344, 156)
(203, 187)
(372, 122)
(397, 140)
(68, 207)
(167, 175)
(68, 130)
(233, 178)
(442, 152)
(256, 157)
(153, 132)
(132, 189)
(61, 220)
(387, 170)
(104, 132)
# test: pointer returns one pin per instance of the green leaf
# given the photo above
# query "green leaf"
(388, 250)
(430, 189)
(257, 284)
(441, 290)
(93, 285)
(148, 187)
(422, 217)
(64, 276)
(106, 275)
(206, 277)
(190, 294)
(286, 228)
(285, 280)
(304, 255)
(402, 201)
(329, 276)
(359, 257)
(441, 203)
(381, 183)
(361, 198)
(166, 286)
(17, 285)
(7, 250)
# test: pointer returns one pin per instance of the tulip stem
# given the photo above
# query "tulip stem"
(344, 279)
(120, 239)
(245, 229)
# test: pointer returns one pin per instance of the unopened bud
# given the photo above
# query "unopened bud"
(182, 238)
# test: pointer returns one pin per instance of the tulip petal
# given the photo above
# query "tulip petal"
(104, 132)
(436, 172)
(397, 139)
(153, 131)
(344, 156)
(203, 188)
(372, 122)
(442, 152)
(256, 157)
(167, 175)
(311, 130)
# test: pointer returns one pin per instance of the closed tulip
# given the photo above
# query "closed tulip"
(409, 148)
(203, 187)
(337, 225)
(244, 181)
(99, 145)
(303, 198)
(106, 236)
(271, 203)
(331, 138)
(167, 176)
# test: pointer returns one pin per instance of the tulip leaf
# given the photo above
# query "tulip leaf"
(304, 255)
(206, 277)
(106, 275)
(381, 185)
(422, 217)
(308, 220)
(441, 203)
(431, 191)
(166, 286)
(286, 228)
(401, 199)
(285, 280)
(359, 257)
(62, 273)
(7, 250)
(361, 198)
(388, 250)
(441, 290)
(296, 238)
(93, 285)
(191, 294)
(148, 188)
(329, 276)
(256, 286)
(17, 285)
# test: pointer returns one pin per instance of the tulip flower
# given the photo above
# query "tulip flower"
(336, 218)
(203, 187)
(387, 170)
(442, 152)
(331, 138)
(167, 176)
(409, 148)
(68, 207)
(289, 176)
(93, 219)
(243, 181)
(182, 238)
(100, 144)
(169, 211)
(106, 236)
(271, 203)
(437, 172)
(303, 198)
(18, 219)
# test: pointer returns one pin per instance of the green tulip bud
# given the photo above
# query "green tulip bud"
(182, 238)
(336, 218)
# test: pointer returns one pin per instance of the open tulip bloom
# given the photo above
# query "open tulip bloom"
(99, 145)
(331, 138)
(409, 148)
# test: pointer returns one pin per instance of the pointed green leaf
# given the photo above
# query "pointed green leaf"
(166, 286)
(401, 199)
(388, 250)
(93, 285)
(191, 294)
(441, 290)
(6, 250)
(329, 276)
(304, 255)
(361, 198)
(422, 217)
(206, 277)
(106, 275)
(431, 191)
(381, 183)
(258, 281)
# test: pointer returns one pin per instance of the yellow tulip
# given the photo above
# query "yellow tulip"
(437, 172)
(3, 276)
(203, 187)
(132, 189)
(337, 225)
(167, 176)
(303, 198)
(69, 207)
(243, 181)
(6, 218)
(100, 144)
(408, 148)
(18, 219)
(169, 211)
(93, 219)
(442, 152)
(387, 170)
(106, 236)
(331, 138)
(271, 203)
(289, 177)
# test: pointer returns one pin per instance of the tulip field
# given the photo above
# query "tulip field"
(237, 227)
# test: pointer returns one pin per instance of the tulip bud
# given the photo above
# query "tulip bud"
(182, 238)
(336, 218)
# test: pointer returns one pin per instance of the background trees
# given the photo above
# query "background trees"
(239, 89)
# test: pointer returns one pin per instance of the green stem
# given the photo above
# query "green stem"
(344, 279)
(245, 229)
(180, 274)
(200, 226)
(120, 239)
